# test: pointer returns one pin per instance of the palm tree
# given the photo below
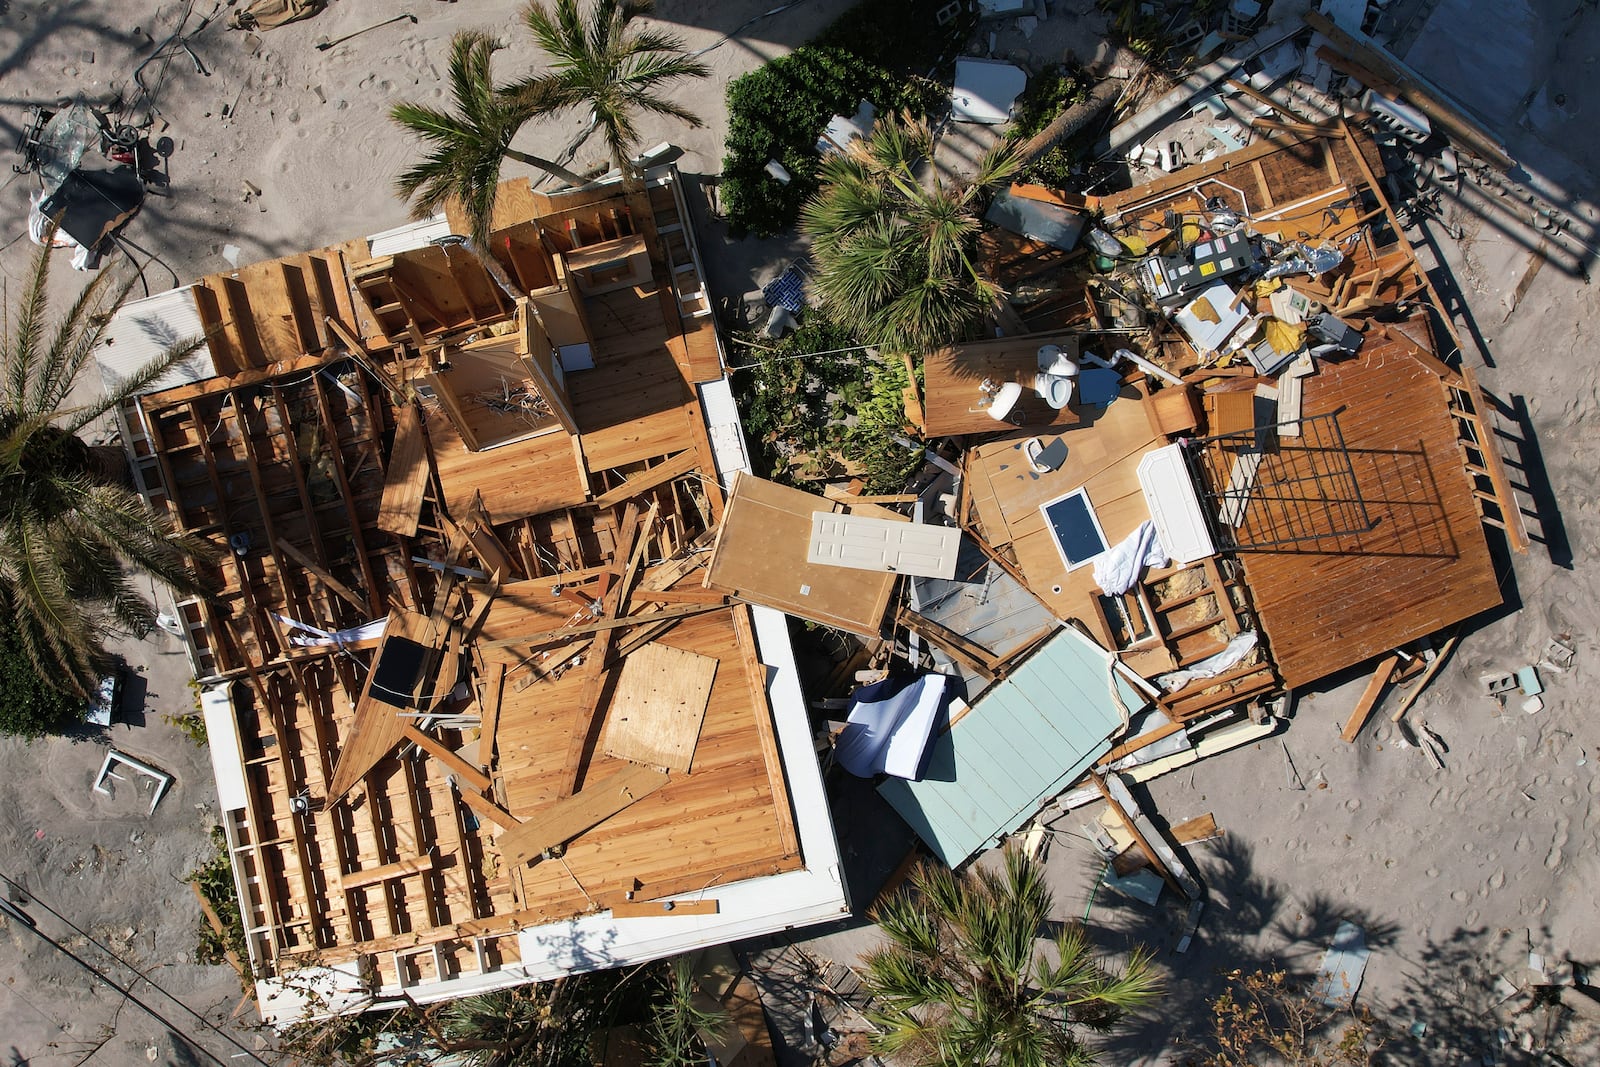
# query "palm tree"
(604, 66)
(963, 980)
(69, 525)
(679, 1024)
(465, 149)
(893, 251)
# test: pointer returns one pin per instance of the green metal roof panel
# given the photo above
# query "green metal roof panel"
(1023, 742)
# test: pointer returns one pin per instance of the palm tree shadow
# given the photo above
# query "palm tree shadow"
(1469, 998)
(1251, 922)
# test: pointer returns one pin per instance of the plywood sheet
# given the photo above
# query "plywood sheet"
(658, 706)
(406, 478)
(952, 376)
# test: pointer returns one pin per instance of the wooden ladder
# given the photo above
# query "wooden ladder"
(1497, 504)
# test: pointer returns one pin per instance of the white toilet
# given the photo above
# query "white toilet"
(1054, 389)
(1057, 372)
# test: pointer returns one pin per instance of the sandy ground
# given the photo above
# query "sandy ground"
(1453, 874)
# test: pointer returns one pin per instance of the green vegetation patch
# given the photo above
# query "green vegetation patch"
(879, 50)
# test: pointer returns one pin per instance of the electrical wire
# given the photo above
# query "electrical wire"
(23, 918)
(34, 898)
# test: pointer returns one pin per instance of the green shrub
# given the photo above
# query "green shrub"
(876, 441)
(879, 50)
(215, 877)
(810, 417)
(790, 403)
(29, 706)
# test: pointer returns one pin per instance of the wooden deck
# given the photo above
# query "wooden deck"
(1424, 566)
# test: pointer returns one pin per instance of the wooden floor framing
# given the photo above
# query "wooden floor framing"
(281, 463)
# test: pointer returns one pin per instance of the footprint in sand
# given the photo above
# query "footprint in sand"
(1553, 860)
(1496, 880)
(1523, 844)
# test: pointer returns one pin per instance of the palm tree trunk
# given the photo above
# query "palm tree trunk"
(547, 165)
(1073, 119)
(496, 272)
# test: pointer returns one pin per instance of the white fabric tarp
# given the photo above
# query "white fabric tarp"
(888, 731)
(1117, 568)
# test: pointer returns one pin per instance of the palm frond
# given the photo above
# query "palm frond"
(128, 387)
(601, 63)
(22, 343)
(962, 980)
(73, 343)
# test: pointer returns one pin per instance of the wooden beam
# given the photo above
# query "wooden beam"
(217, 927)
(665, 471)
(1369, 697)
(334, 585)
(630, 545)
(1422, 683)
(1144, 740)
(488, 809)
(373, 875)
(458, 766)
(639, 909)
(968, 653)
(346, 493)
(564, 820)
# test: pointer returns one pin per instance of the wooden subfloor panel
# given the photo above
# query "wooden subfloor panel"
(721, 817)
(524, 478)
(1423, 566)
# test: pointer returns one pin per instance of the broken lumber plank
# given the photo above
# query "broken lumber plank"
(844, 496)
(373, 875)
(968, 653)
(1422, 683)
(550, 637)
(312, 567)
(469, 774)
(406, 480)
(490, 694)
(1163, 857)
(571, 816)
(1369, 697)
(596, 670)
(217, 927)
(1198, 829)
(673, 467)
(639, 909)
(684, 596)
(488, 809)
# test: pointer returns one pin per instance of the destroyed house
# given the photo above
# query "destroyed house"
(473, 718)
(1217, 437)
(1328, 497)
